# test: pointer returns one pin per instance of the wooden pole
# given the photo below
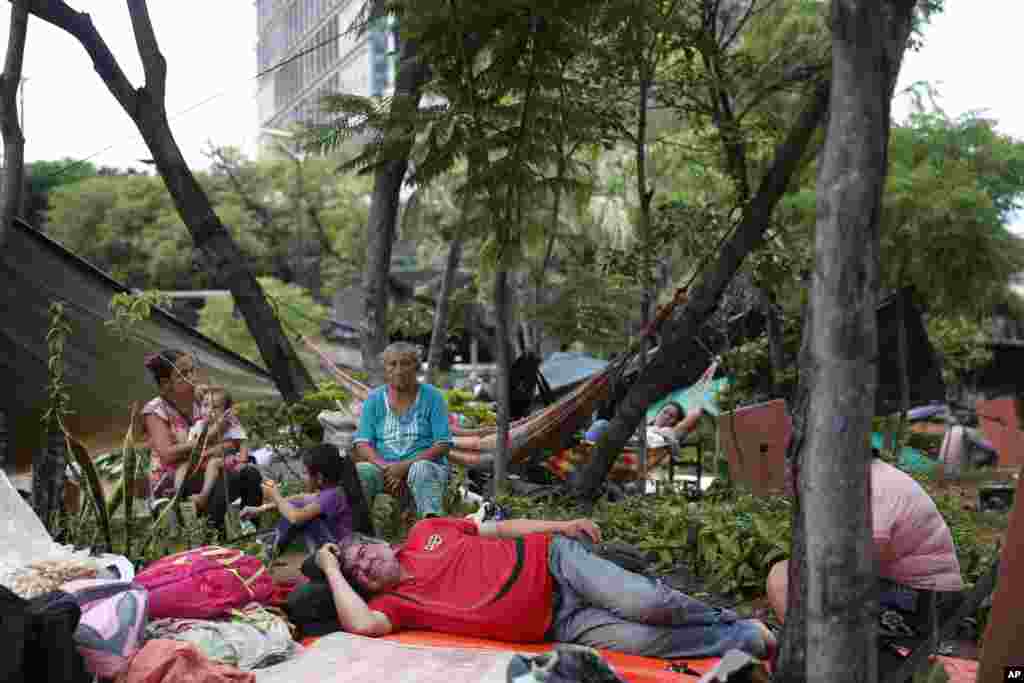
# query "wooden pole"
(1004, 636)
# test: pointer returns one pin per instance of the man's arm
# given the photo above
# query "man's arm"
(354, 614)
(517, 528)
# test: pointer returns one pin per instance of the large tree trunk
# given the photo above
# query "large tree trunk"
(680, 360)
(387, 185)
(14, 139)
(833, 594)
(439, 335)
(145, 106)
(504, 363)
(1006, 621)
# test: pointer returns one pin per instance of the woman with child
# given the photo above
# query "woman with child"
(183, 417)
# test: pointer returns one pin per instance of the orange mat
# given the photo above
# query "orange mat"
(630, 667)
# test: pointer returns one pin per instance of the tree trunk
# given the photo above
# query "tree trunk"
(776, 338)
(48, 475)
(504, 363)
(387, 185)
(439, 335)
(834, 595)
(1006, 621)
(680, 360)
(145, 106)
(14, 139)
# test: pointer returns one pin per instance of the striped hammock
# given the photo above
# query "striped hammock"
(545, 428)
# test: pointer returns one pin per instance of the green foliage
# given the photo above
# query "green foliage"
(474, 413)
(291, 426)
(58, 393)
(959, 341)
(654, 524)
(739, 541)
(750, 369)
(128, 226)
(130, 309)
(951, 188)
(42, 177)
(413, 319)
(293, 305)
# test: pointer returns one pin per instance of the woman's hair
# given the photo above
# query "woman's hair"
(161, 364)
(324, 460)
(401, 348)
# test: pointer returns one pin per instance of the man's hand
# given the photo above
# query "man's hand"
(270, 489)
(581, 529)
(327, 557)
(394, 476)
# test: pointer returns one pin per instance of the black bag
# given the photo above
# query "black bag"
(38, 639)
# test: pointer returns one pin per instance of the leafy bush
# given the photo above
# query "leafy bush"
(475, 413)
(739, 541)
(293, 426)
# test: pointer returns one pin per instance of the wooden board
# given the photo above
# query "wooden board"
(755, 439)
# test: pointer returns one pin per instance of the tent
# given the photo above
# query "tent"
(105, 374)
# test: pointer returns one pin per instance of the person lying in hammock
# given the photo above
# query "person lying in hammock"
(515, 581)
(671, 422)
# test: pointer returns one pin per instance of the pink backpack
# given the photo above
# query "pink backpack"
(204, 582)
(113, 623)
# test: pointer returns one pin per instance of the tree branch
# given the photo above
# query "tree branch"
(79, 24)
(679, 360)
(154, 66)
(14, 138)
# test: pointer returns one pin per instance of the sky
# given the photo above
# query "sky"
(210, 49)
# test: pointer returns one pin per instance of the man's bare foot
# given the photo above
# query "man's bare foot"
(199, 500)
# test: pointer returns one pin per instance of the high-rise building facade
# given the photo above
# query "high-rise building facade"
(315, 53)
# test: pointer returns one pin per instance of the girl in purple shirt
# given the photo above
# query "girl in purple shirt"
(323, 516)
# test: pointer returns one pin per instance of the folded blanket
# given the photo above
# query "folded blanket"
(253, 642)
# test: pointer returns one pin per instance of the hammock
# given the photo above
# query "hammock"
(541, 429)
(627, 466)
(545, 428)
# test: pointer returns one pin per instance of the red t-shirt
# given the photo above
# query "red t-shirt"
(466, 584)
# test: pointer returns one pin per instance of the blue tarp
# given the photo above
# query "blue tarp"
(910, 460)
(563, 369)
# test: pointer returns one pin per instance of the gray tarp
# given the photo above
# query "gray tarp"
(105, 374)
(564, 369)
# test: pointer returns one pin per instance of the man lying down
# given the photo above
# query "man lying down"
(516, 581)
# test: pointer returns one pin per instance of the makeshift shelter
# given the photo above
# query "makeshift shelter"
(104, 374)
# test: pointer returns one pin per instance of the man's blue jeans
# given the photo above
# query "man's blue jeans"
(599, 604)
(426, 481)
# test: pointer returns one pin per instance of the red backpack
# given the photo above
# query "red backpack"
(204, 582)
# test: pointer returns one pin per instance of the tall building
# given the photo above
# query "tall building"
(328, 58)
